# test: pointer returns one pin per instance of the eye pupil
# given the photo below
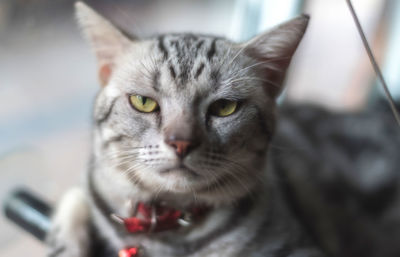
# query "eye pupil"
(223, 105)
(142, 99)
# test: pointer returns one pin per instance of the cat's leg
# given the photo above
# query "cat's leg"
(69, 233)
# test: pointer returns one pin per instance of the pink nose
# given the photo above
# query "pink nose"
(181, 146)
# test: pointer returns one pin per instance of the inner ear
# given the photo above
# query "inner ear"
(104, 74)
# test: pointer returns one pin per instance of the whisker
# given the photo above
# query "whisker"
(238, 53)
(225, 57)
(237, 173)
(271, 67)
(214, 185)
(252, 79)
(240, 72)
(241, 170)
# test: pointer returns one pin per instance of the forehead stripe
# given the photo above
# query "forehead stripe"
(162, 48)
(211, 52)
(199, 71)
(172, 71)
(156, 82)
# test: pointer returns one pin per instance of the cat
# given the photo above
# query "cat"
(182, 128)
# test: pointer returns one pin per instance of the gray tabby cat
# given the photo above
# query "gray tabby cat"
(182, 125)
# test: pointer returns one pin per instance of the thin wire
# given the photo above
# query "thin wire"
(374, 63)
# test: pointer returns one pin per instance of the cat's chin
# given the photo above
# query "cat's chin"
(181, 170)
(178, 179)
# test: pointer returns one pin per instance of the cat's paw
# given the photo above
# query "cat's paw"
(69, 234)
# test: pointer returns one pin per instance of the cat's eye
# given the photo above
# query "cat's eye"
(143, 103)
(223, 108)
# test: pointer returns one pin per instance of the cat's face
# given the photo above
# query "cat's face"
(206, 121)
(185, 113)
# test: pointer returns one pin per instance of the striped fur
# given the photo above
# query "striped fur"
(132, 161)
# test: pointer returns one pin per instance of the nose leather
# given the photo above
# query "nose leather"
(181, 134)
(181, 146)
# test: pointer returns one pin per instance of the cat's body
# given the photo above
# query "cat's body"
(340, 173)
(184, 122)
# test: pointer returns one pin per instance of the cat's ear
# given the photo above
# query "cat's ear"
(274, 50)
(107, 41)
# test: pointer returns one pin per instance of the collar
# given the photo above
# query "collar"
(147, 217)
(156, 218)
(150, 218)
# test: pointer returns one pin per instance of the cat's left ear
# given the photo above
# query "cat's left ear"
(274, 50)
(107, 41)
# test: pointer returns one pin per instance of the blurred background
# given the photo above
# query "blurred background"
(48, 76)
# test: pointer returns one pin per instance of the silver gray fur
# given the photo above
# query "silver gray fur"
(226, 167)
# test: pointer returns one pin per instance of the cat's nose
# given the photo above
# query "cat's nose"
(182, 147)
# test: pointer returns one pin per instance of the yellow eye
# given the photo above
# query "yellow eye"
(143, 104)
(223, 108)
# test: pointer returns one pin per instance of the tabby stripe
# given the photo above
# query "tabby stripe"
(156, 81)
(162, 48)
(199, 71)
(159, 121)
(101, 204)
(105, 117)
(104, 208)
(172, 71)
(211, 52)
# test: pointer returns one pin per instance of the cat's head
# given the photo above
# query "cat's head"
(187, 113)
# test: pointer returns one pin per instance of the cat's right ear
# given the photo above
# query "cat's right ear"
(107, 41)
(274, 50)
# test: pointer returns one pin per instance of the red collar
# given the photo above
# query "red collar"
(156, 218)
(148, 218)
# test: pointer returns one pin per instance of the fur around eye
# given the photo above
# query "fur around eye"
(223, 108)
(143, 103)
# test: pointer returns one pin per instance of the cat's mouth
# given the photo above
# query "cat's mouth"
(181, 169)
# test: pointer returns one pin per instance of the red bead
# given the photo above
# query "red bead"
(128, 252)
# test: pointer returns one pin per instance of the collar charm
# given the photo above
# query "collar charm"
(129, 252)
